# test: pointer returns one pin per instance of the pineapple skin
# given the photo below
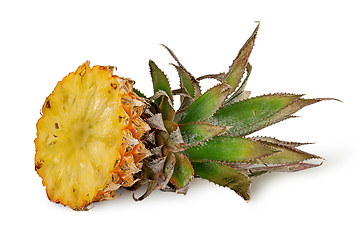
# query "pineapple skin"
(89, 137)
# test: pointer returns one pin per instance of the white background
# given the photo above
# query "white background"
(310, 47)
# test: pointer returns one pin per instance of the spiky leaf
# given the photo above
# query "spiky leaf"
(175, 139)
(204, 107)
(139, 93)
(219, 76)
(166, 109)
(281, 115)
(185, 97)
(168, 168)
(229, 149)
(258, 171)
(160, 81)
(183, 171)
(152, 179)
(186, 76)
(224, 176)
(236, 71)
(255, 113)
(277, 141)
(241, 94)
(286, 154)
(156, 122)
(194, 133)
(157, 165)
(185, 80)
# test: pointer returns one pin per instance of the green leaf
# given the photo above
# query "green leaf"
(194, 133)
(160, 81)
(281, 115)
(286, 155)
(170, 126)
(185, 97)
(185, 80)
(236, 71)
(175, 58)
(245, 81)
(218, 76)
(152, 178)
(140, 94)
(165, 138)
(152, 185)
(175, 137)
(277, 141)
(183, 171)
(258, 171)
(189, 88)
(228, 149)
(204, 107)
(168, 169)
(224, 176)
(240, 94)
(255, 113)
(166, 109)
(197, 91)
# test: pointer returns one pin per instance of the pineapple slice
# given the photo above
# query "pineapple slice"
(86, 145)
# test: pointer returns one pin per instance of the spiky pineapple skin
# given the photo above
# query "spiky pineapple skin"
(89, 137)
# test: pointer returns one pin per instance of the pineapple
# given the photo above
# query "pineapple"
(97, 134)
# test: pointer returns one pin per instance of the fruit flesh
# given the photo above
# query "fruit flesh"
(84, 138)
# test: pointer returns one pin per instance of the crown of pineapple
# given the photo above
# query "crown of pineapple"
(206, 137)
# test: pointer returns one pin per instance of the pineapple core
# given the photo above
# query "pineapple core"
(79, 134)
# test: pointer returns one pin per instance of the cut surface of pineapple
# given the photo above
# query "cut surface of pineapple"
(85, 137)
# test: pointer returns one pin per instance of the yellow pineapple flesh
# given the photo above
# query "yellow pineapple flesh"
(87, 144)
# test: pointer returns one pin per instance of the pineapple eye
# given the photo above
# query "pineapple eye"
(38, 164)
(48, 104)
(56, 125)
(114, 86)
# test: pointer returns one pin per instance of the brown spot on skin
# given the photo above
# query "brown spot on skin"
(38, 164)
(83, 72)
(37, 167)
(116, 163)
(114, 86)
